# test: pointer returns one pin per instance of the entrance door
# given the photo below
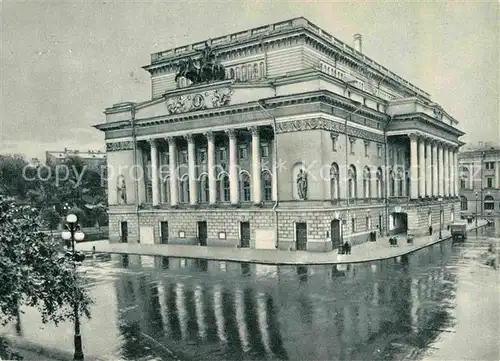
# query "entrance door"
(202, 233)
(164, 232)
(335, 233)
(124, 232)
(245, 234)
(301, 236)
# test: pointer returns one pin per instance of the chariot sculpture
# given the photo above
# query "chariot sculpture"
(204, 70)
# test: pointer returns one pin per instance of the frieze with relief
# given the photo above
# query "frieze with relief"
(190, 102)
(328, 125)
(118, 146)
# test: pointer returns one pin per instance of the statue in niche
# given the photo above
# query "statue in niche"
(302, 184)
(122, 190)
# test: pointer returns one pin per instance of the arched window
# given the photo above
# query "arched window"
(380, 182)
(184, 190)
(464, 177)
(463, 203)
(226, 189)
(334, 182)
(489, 203)
(166, 190)
(245, 188)
(267, 185)
(352, 182)
(203, 189)
(366, 183)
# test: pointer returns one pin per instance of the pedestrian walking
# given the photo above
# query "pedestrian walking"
(430, 230)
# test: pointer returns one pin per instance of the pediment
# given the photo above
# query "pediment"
(204, 97)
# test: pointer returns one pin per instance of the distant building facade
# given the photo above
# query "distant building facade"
(480, 181)
(281, 136)
(93, 159)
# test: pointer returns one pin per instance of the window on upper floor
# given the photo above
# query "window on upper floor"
(202, 156)
(222, 154)
(489, 182)
(489, 203)
(264, 150)
(183, 157)
(242, 152)
(489, 165)
(463, 203)
(353, 225)
(334, 137)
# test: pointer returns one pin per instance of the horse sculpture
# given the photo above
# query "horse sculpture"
(209, 68)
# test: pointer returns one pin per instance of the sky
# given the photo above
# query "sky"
(64, 62)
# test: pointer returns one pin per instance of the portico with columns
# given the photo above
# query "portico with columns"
(253, 158)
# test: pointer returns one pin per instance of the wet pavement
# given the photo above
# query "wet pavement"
(439, 303)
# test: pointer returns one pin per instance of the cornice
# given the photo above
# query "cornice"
(424, 118)
(342, 106)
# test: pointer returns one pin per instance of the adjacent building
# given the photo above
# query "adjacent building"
(93, 159)
(280, 136)
(480, 181)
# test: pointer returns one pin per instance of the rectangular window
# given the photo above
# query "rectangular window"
(353, 225)
(264, 150)
(222, 154)
(489, 182)
(334, 142)
(462, 183)
(202, 156)
(489, 205)
(242, 152)
(368, 223)
(183, 157)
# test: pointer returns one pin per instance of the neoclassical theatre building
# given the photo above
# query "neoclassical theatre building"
(282, 137)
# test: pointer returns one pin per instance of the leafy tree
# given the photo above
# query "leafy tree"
(33, 272)
(97, 208)
(51, 218)
(12, 181)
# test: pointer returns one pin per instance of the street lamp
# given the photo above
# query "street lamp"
(440, 217)
(74, 234)
(476, 212)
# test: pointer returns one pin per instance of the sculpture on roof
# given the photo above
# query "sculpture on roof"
(206, 69)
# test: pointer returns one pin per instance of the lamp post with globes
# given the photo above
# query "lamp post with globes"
(73, 234)
(440, 217)
(476, 211)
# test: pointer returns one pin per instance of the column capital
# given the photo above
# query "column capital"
(413, 136)
(254, 130)
(231, 133)
(152, 142)
(209, 135)
(352, 139)
(189, 138)
(170, 140)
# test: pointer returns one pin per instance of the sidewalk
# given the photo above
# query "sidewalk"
(366, 252)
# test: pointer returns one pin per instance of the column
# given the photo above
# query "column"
(428, 169)
(212, 177)
(154, 172)
(403, 162)
(446, 175)
(434, 163)
(421, 166)
(498, 174)
(452, 171)
(160, 174)
(275, 169)
(233, 167)
(395, 171)
(140, 176)
(413, 166)
(172, 154)
(193, 181)
(470, 166)
(256, 171)
(441, 169)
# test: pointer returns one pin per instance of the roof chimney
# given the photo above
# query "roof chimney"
(358, 42)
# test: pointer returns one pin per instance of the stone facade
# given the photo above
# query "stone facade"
(339, 148)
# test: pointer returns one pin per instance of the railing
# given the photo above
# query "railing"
(281, 26)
